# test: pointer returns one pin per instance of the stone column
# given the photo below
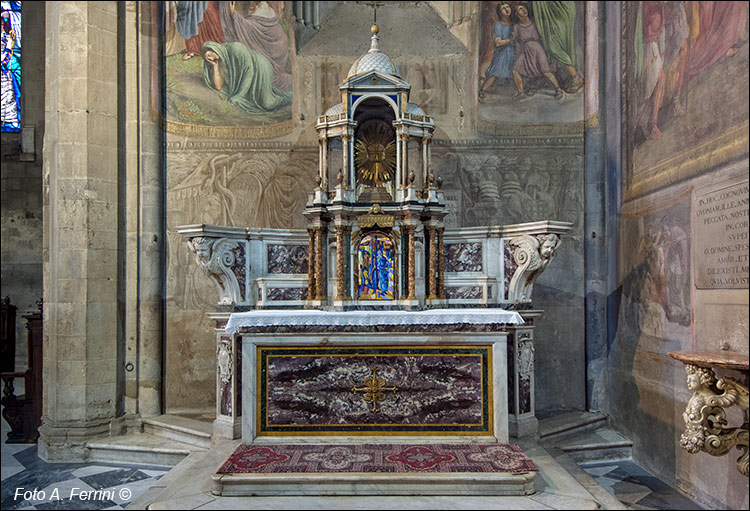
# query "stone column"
(311, 264)
(410, 229)
(83, 270)
(341, 254)
(345, 159)
(432, 266)
(404, 138)
(440, 264)
(324, 164)
(425, 160)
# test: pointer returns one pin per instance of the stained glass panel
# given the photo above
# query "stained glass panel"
(375, 263)
(11, 69)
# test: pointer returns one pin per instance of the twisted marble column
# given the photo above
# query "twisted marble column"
(410, 229)
(440, 264)
(432, 280)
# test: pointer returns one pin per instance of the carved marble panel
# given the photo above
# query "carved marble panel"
(286, 293)
(463, 257)
(287, 259)
(463, 292)
(375, 389)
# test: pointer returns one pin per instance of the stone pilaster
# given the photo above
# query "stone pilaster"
(83, 270)
(432, 266)
(311, 265)
(320, 254)
(412, 263)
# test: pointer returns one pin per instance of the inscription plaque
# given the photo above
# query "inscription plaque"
(720, 220)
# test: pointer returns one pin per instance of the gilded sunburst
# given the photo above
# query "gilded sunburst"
(375, 154)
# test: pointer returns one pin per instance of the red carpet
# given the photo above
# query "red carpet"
(377, 458)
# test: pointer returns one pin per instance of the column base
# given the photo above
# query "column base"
(310, 304)
(410, 304)
(226, 427)
(525, 426)
(66, 441)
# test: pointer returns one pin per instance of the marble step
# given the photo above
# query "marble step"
(139, 448)
(598, 445)
(554, 430)
(181, 429)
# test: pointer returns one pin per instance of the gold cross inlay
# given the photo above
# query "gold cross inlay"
(373, 390)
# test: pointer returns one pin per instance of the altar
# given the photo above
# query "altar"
(379, 350)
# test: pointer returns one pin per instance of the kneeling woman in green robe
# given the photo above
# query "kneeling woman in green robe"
(244, 75)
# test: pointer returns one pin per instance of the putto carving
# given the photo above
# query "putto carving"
(705, 415)
(532, 254)
(217, 258)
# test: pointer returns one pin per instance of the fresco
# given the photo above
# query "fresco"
(656, 299)
(682, 61)
(375, 263)
(531, 62)
(228, 69)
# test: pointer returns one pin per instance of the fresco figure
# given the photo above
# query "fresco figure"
(504, 56)
(531, 61)
(197, 23)
(260, 29)
(720, 27)
(556, 22)
(245, 76)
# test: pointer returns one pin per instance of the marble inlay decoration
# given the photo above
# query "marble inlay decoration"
(287, 259)
(463, 257)
(388, 458)
(510, 267)
(464, 292)
(309, 390)
(239, 269)
(286, 293)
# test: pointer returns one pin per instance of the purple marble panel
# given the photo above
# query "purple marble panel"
(226, 398)
(286, 293)
(510, 267)
(238, 379)
(465, 292)
(287, 258)
(463, 257)
(511, 376)
(239, 268)
(318, 390)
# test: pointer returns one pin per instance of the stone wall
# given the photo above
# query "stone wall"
(21, 195)
(669, 295)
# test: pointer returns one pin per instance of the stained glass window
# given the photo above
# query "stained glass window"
(375, 264)
(11, 79)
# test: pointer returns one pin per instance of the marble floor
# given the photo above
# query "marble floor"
(115, 486)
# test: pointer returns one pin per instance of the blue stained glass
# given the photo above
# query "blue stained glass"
(375, 263)
(11, 68)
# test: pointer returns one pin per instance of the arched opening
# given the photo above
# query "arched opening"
(375, 151)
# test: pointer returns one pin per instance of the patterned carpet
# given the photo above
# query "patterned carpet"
(378, 458)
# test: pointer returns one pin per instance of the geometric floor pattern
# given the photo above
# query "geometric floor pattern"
(635, 487)
(28, 482)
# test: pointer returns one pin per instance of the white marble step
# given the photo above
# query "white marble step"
(181, 429)
(554, 430)
(139, 448)
(598, 445)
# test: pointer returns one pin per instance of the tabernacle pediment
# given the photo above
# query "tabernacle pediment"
(374, 80)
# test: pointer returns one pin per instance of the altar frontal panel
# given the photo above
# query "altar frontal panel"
(412, 390)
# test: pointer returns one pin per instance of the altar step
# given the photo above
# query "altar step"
(180, 429)
(140, 448)
(584, 436)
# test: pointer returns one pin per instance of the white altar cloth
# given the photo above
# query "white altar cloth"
(266, 318)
